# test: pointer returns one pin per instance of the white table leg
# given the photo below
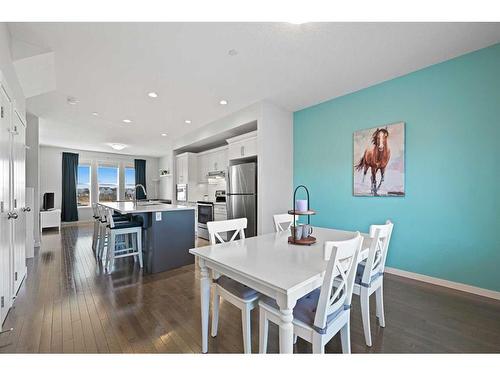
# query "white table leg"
(285, 325)
(205, 303)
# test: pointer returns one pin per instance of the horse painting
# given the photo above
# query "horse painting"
(376, 156)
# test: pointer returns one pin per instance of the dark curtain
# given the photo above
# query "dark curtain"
(69, 178)
(140, 177)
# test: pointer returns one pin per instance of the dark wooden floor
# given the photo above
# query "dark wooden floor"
(67, 305)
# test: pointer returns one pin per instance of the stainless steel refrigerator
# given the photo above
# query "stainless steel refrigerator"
(241, 195)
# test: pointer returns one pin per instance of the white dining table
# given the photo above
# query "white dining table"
(273, 267)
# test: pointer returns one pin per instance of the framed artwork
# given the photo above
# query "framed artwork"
(379, 161)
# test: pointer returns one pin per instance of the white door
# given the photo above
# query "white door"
(19, 200)
(5, 227)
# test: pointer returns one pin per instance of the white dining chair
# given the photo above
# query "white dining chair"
(370, 276)
(126, 248)
(237, 294)
(321, 314)
(283, 222)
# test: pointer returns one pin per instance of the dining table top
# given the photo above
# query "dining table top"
(271, 260)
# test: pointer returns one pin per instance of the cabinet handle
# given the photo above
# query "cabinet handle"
(26, 209)
(242, 149)
(12, 215)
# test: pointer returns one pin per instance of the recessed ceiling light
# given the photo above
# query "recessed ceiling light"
(163, 134)
(117, 146)
(187, 121)
(71, 100)
(95, 114)
(127, 121)
(232, 52)
(223, 102)
(153, 94)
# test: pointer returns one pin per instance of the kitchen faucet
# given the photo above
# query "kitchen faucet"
(135, 191)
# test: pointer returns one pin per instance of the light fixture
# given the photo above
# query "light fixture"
(117, 146)
(153, 94)
(163, 134)
(72, 100)
(127, 121)
(187, 121)
(232, 52)
(223, 102)
(95, 114)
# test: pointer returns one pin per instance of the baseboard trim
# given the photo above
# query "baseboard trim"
(445, 283)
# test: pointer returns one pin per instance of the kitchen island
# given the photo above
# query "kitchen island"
(168, 232)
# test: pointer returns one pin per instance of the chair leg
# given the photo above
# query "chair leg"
(215, 312)
(345, 338)
(111, 252)
(138, 238)
(247, 330)
(295, 339)
(317, 344)
(263, 331)
(365, 314)
(379, 298)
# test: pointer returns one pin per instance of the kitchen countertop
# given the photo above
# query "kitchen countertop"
(144, 207)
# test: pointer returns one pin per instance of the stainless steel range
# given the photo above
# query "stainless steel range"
(206, 213)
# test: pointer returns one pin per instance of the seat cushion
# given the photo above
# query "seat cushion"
(359, 274)
(236, 288)
(127, 224)
(305, 310)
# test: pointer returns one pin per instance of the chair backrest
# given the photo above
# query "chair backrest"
(108, 212)
(375, 263)
(283, 222)
(215, 228)
(94, 210)
(342, 265)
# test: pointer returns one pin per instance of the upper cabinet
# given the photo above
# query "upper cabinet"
(211, 161)
(186, 168)
(242, 146)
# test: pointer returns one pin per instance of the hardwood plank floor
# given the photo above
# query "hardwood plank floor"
(68, 305)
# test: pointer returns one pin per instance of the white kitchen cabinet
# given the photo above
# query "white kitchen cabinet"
(242, 146)
(186, 172)
(186, 168)
(202, 168)
(181, 169)
(211, 161)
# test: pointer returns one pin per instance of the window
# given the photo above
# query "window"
(108, 183)
(83, 186)
(129, 183)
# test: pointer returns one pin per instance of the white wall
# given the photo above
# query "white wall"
(51, 173)
(166, 184)
(32, 170)
(275, 164)
(8, 71)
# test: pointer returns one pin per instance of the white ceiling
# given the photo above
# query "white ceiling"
(110, 68)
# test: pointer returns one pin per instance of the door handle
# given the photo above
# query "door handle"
(12, 215)
(26, 209)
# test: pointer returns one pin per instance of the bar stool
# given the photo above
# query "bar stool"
(122, 249)
(95, 236)
(102, 222)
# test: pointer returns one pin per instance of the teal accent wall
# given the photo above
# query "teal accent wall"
(447, 225)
